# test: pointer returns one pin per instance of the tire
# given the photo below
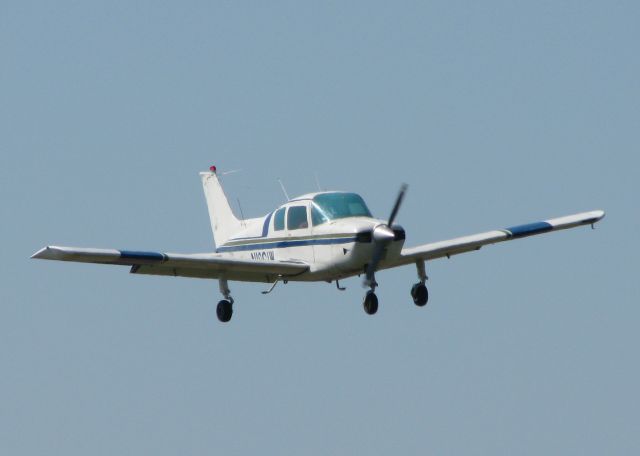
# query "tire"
(370, 303)
(420, 294)
(224, 311)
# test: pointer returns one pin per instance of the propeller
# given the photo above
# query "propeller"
(382, 235)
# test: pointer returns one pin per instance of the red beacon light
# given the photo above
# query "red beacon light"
(213, 168)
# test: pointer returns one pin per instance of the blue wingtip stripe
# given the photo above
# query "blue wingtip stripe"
(529, 229)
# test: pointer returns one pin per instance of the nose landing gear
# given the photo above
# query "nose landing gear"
(370, 302)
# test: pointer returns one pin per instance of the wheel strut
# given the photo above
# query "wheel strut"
(223, 284)
(422, 272)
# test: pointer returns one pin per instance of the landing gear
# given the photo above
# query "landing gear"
(370, 302)
(419, 291)
(224, 310)
(420, 294)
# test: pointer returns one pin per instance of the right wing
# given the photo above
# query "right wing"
(473, 242)
(199, 265)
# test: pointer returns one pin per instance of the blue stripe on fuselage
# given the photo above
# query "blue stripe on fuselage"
(529, 229)
(265, 230)
(284, 244)
(265, 227)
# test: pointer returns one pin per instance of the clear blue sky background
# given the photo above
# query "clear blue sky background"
(496, 113)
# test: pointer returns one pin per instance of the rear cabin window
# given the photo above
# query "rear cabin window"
(278, 220)
(297, 218)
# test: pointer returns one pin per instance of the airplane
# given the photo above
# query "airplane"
(324, 236)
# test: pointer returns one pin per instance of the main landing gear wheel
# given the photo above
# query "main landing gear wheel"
(370, 303)
(420, 294)
(224, 311)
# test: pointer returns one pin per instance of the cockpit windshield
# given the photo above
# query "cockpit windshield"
(330, 206)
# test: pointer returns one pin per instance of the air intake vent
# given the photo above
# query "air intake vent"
(363, 236)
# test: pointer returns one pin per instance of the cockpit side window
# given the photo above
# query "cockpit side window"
(278, 220)
(297, 218)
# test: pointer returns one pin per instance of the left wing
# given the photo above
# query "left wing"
(200, 265)
(475, 241)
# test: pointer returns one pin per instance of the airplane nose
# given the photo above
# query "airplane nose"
(383, 233)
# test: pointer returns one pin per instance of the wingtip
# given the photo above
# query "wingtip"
(595, 216)
(50, 252)
(40, 253)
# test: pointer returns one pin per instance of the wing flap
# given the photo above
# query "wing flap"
(476, 241)
(454, 246)
(208, 273)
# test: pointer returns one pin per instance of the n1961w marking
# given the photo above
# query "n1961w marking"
(263, 255)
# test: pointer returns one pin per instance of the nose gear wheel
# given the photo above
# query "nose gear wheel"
(370, 303)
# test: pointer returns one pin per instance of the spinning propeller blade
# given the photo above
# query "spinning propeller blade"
(382, 235)
(396, 206)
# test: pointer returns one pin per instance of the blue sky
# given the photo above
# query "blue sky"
(495, 114)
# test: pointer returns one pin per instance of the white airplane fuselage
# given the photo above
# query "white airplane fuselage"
(334, 249)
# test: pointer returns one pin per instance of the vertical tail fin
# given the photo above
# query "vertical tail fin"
(224, 223)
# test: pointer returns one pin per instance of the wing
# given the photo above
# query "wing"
(199, 265)
(476, 241)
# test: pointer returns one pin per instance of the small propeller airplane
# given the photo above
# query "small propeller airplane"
(323, 236)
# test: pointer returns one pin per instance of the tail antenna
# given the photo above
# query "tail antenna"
(284, 190)
(233, 171)
(241, 214)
